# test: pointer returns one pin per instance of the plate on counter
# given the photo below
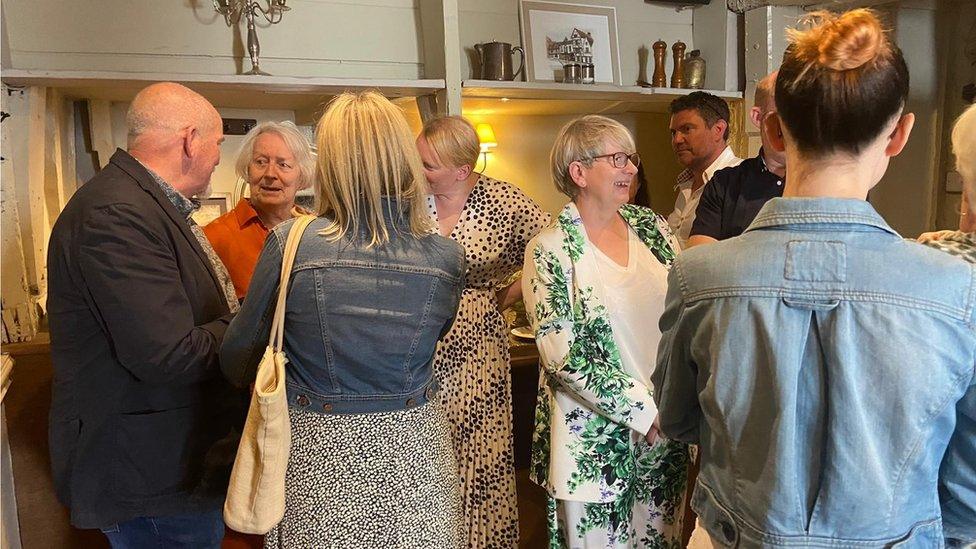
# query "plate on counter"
(523, 332)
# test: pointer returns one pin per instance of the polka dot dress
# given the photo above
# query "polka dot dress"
(370, 480)
(472, 361)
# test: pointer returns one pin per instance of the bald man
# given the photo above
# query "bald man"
(735, 195)
(142, 424)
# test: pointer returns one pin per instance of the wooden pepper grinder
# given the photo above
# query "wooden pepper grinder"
(660, 78)
(678, 75)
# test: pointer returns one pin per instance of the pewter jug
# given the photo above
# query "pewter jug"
(496, 60)
(695, 70)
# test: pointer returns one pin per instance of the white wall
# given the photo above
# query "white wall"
(362, 38)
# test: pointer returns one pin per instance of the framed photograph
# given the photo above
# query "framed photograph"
(555, 34)
(211, 208)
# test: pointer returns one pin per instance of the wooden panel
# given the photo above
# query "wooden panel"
(317, 37)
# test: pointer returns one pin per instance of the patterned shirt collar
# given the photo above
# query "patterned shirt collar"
(186, 206)
(724, 160)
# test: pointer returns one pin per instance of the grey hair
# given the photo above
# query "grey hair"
(294, 139)
(581, 140)
(964, 147)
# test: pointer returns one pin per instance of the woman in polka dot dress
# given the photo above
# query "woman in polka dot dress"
(493, 220)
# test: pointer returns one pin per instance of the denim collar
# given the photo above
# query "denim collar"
(818, 211)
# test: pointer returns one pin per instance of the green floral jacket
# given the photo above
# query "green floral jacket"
(588, 406)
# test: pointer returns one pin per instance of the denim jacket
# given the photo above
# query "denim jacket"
(821, 362)
(361, 325)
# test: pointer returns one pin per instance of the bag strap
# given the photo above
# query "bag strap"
(276, 338)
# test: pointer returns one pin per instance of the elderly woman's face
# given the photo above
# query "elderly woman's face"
(604, 182)
(272, 173)
(440, 176)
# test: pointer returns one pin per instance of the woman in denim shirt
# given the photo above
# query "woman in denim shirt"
(821, 361)
(371, 292)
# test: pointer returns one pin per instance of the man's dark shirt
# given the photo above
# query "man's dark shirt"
(733, 198)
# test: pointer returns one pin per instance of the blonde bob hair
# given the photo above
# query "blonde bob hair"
(454, 140)
(294, 140)
(366, 154)
(964, 147)
(581, 140)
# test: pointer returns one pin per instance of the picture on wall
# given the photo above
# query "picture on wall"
(556, 34)
(216, 205)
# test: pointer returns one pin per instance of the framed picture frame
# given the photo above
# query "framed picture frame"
(216, 205)
(554, 34)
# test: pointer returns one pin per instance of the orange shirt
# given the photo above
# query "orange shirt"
(238, 238)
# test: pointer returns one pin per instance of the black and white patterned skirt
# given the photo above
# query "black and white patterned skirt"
(370, 480)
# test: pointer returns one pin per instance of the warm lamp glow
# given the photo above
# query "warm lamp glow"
(487, 137)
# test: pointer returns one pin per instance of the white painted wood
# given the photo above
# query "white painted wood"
(432, 37)
(285, 85)
(715, 33)
(557, 91)
(316, 38)
(452, 58)
(14, 289)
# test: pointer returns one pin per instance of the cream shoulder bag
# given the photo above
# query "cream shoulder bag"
(256, 495)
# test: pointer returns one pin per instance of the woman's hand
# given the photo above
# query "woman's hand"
(509, 295)
(654, 432)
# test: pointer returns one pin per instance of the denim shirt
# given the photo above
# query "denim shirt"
(821, 362)
(361, 325)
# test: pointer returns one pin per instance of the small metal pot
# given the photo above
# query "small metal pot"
(572, 73)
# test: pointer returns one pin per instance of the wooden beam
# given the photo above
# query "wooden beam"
(427, 105)
(100, 123)
(36, 202)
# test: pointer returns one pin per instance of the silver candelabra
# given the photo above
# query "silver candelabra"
(232, 11)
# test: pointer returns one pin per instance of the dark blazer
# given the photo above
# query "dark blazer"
(141, 423)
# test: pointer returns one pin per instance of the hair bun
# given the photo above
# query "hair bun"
(842, 42)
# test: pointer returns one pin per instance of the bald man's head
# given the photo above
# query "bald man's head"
(176, 133)
(765, 90)
(166, 108)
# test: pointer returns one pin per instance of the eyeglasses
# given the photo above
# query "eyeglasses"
(618, 159)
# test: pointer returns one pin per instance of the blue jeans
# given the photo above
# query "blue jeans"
(198, 530)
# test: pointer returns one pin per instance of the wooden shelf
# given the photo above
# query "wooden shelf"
(554, 98)
(235, 91)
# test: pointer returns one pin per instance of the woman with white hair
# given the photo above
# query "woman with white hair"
(962, 242)
(594, 287)
(276, 161)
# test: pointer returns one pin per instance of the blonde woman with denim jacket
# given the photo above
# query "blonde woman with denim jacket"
(594, 286)
(371, 292)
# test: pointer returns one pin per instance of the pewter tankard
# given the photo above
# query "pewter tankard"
(496, 60)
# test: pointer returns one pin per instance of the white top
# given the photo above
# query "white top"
(683, 216)
(635, 302)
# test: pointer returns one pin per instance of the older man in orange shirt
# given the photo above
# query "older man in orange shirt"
(276, 160)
